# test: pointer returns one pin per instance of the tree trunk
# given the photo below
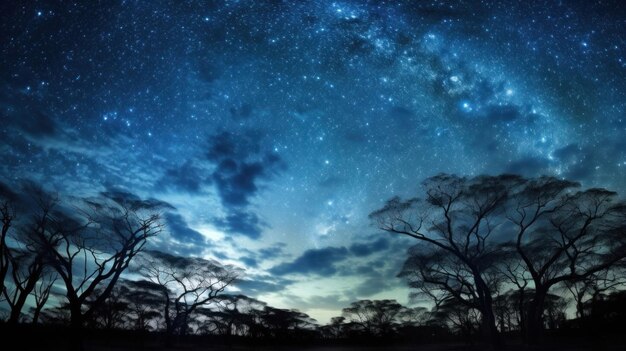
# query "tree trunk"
(522, 315)
(535, 317)
(490, 328)
(488, 317)
(36, 314)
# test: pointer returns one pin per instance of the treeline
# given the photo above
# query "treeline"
(495, 255)
(501, 252)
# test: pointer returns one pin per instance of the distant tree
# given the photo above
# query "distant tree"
(187, 283)
(459, 317)
(376, 317)
(235, 315)
(144, 302)
(456, 253)
(286, 323)
(91, 251)
(593, 286)
(112, 313)
(334, 329)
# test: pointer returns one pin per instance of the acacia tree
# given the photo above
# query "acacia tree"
(187, 283)
(454, 224)
(376, 317)
(563, 235)
(90, 252)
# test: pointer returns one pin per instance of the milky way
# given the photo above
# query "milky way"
(273, 128)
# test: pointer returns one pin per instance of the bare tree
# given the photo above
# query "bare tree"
(26, 270)
(26, 262)
(90, 252)
(187, 283)
(454, 224)
(41, 293)
(563, 235)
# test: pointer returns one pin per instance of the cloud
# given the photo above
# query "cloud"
(241, 222)
(187, 177)
(502, 113)
(263, 284)
(528, 166)
(123, 197)
(240, 167)
(366, 249)
(39, 125)
(242, 111)
(272, 252)
(180, 231)
(314, 261)
(372, 285)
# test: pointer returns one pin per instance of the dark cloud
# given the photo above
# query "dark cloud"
(187, 177)
(126, 198)
(528, 166)
(272, 252)
(7, 193)
(39, 125)
(372, 285)
(240, 166)
(241, 222)
(504, 113)
(243, 111)
(180, 231)
(366, 249)
(314, 261)
(263, 284)
(568, 152)
(249, 261)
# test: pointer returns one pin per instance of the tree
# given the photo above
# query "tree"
(186, 283)
(26, 269)
(42, 291)
(458, 317)
(376, 317)
(563, 235)
(545, 230)
(144, 303)
(7, 214)
(282, 323)
(27, 261)
(91, 251)
(453, 224)
(235, 315)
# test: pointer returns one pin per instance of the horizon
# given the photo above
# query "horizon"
(271, 130)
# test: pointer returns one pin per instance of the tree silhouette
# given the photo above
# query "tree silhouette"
(7, 214)
(90, 252)
(376, 317)
(563, 235)
(26, 269)
(454, 224)
(535, 233)
(187, 283)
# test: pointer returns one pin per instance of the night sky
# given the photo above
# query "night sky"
(274, 128)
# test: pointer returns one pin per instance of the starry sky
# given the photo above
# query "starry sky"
(273, 128)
